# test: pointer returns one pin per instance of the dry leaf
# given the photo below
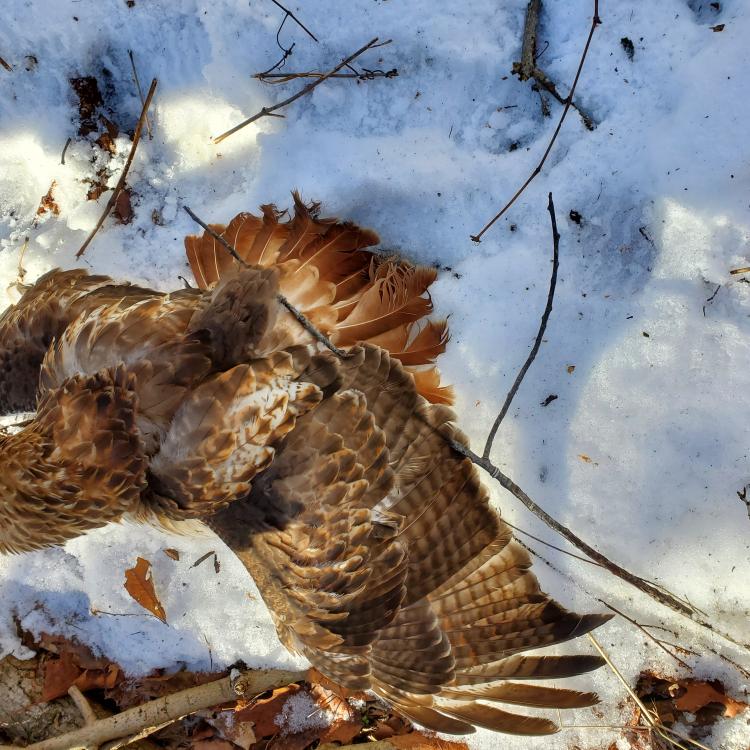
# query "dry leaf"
(59, 675)
(214, 743)
(48, 202)
(586, 458)
(173, 553)
(123, 210)
(140, 585)
(418, 741)
(238, 732)
(699, 694)
(263, 712)
(570, 369)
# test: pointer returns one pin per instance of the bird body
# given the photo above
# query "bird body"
(372, 541)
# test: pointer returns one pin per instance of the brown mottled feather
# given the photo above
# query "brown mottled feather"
(78, 465)
(372, 542)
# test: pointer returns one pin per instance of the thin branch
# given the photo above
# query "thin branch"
(648, 635)
(298, 316)
(65, 150)
(168, 708)
(269, 111)
(551, 546)
(82, 704)
(540, 334)
(651, 717)
(121, 182)
(365, 75)
(595, 21)
(296, 20)
(140, 91)
(6, 65)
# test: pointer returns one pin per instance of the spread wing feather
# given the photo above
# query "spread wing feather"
(376, 548)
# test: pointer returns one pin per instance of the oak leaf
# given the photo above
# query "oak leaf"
(140, 585)
(699, 694)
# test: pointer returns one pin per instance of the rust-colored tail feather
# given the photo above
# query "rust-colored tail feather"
(351, 294)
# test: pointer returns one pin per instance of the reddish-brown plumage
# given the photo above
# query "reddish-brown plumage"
(372, 542)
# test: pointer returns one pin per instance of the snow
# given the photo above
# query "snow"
(662, 187)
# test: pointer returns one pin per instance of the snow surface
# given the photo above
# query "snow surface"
(662, 186)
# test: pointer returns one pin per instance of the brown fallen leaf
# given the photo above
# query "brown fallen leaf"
(570, 369)
(263, 712)
(102, 679)
(140, 585)
(173, 553)
(699, 694)
(59, 675)
(419, 741)
(123, 210)
(48, 203)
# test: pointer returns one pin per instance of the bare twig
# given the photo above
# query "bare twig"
(140, 91)
(270, 111)
(295, 19)
(525, 68)
(595, 21)
(82, 704)
(168, 708)
(551, 546)
(6, 65)
(738, 271)
(298, 316)
(540, 334)
(365, 75)
(643, 628)
(65, 150)
(121, 182)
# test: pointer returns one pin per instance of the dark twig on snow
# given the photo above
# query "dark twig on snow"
(65, 150)
(595, 21)
(140, 91)
(298, 316)
(121, 182)
(643, 628)
(6, 65)
(539, 336)
(551, 546)
(294, 18)
(271, 111)
(527, 68)
(287, 51)
(365, 75)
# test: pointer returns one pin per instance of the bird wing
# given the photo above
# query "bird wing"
(77, 465)
(226, 429)
(377, 551)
